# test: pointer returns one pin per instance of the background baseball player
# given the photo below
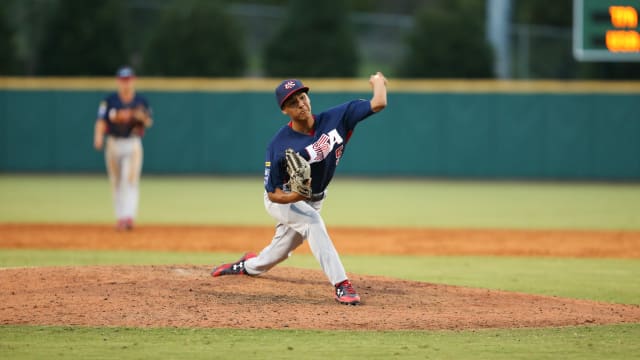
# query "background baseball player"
(321, 141)
(123, 117)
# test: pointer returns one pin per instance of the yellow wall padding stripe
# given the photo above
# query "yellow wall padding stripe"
(323, 85)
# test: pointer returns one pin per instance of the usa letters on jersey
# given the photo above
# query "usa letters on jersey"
(320, 149)
(323, 148)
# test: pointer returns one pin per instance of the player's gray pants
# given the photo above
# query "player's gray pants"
(123, 157)
(296, 222)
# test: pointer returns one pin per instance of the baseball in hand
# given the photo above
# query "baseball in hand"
(377, 76)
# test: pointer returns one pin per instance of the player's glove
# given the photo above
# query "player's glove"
(139, 115)
(299, 173)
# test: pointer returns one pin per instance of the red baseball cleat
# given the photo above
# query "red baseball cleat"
(236, 268)
(345, 294)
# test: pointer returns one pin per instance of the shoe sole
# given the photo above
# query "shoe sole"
(354, 303)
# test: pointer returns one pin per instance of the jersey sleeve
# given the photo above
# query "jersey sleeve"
(147, 106)
(273, 172)
(356, 111)
(102, 109)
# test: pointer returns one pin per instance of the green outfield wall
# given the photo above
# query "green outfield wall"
(483, 129)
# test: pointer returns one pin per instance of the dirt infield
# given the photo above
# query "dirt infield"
(186, 296)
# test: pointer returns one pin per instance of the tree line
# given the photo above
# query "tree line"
(198, 38)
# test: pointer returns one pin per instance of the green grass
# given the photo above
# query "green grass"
(603, 342)
(351, 202)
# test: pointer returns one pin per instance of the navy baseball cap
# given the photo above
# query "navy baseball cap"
(288, 88)
(125, 72)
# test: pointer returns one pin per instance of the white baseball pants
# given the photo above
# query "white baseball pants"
(123, 157)
(296, 222)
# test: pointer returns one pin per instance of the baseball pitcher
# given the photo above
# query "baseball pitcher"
(300, 162)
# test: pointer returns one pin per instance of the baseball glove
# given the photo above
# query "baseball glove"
(139, 115)
(299, 173)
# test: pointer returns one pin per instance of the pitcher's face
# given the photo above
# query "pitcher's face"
(298, 106)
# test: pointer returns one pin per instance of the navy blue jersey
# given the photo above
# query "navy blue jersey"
(108, 108)
(323, 148)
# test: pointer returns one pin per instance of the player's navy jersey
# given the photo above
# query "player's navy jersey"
(323, 148)
(111, 104)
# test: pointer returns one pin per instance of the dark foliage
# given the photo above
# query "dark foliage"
(195, 38)
(7, 55)
(84, 38)
(448, 41)
(316, 40)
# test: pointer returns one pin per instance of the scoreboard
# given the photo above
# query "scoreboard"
(606, 30)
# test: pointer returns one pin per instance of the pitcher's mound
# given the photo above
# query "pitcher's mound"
(187, 296)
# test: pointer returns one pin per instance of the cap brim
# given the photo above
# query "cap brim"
(305, 89)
